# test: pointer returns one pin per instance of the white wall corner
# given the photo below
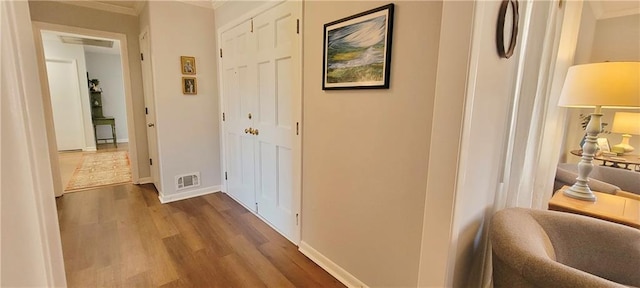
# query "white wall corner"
(218, 3)
(138, 6)
(332, 268)
(144, 180)
(90, 149)
(597, 9)
(187, 194)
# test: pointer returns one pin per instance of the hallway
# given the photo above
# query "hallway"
(123, 236)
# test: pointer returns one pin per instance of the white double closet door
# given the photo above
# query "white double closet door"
(262, 109)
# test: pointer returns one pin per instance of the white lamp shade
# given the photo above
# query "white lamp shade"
(626, 123)
(608, 84)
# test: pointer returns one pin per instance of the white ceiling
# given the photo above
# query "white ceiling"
(604, 9)
(51, 36)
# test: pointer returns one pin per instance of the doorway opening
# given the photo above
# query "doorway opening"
(86, 88)
(88, 107)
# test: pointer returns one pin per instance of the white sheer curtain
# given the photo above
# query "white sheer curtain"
(537, 123)
(31, 249)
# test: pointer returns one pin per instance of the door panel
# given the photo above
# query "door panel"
(150, 116)
(285, 195)
(65, 103)
(238, 92)
(261, 76)
(277, 81)
(245, 82)
(284, 97)
(268, 185)
(266, 94)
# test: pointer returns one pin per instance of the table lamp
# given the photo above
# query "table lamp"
(625, 123)
(598, 85)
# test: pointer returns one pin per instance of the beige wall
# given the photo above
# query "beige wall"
(617, 39)
(187, 125)
(614, 39)
(365, 151)
(585, 37)
(231, 10)
(71, 15)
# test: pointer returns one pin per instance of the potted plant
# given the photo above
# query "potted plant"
(94, 85)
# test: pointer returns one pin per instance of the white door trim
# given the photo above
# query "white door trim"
(297, 141)
(38, 27)
(148, 95)
(28, 122)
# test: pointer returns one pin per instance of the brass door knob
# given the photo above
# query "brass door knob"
(255, 132)
(246, 131)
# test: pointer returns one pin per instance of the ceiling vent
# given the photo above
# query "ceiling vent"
(86, 41)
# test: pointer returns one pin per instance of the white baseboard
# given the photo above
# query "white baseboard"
(187, 194)
(126, 140)
(90, 149)
(336, 271)
(145, 180)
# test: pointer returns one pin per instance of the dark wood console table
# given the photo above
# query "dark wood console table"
(622, 161)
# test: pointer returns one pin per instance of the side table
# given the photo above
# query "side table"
(607, 207)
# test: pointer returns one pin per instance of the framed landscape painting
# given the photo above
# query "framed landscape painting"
(357, 51)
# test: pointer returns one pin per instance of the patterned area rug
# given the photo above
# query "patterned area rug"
(100, 169)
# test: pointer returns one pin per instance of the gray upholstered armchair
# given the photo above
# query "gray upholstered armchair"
(535, 248)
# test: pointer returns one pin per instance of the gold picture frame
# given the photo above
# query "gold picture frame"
(188, 65)
(189, 85)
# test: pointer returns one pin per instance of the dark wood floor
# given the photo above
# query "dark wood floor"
(122, 236)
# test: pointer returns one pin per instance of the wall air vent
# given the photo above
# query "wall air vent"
(187, 181)
(86, 41)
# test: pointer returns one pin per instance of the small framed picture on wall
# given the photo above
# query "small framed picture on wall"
(188, 65)
(189, 85)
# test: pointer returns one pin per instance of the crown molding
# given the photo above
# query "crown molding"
(139, 6)
(619, 13)
(218, 3)
(200, 3)
(601, 13)
(101, 6)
